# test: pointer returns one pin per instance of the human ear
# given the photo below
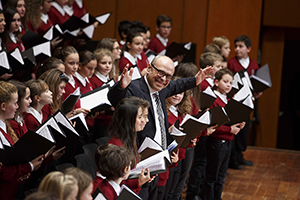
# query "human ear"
(248, 49)
(3, 106)
(157, 28)
(37, 98)
(216, 82)
(128, 45)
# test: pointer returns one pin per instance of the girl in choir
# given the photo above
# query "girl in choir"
(40, 96)
(20, 7)
(124, 131)
(133, 53)
(79, 8)
(24, 100)
(70, 57)
(50, 63)
(64, 187)
(12, 176)
(223, 43)
(85, 183)
(11, 39)
(57, 14)
(113, 46)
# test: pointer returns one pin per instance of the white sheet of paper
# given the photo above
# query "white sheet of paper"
(136, 73)
(1, 145)
(82, 118)
(247, 79)
(93, 100)
(3, 60)
(89, 31)
(188, 46)
(102, 18)
(60, 118)
(49, 34)
(149, 143)
(86, 18)
(4, 140)
(100, 196)
(205, 118)
(58, 28)
(45, 132)
(44, 48)
(17, 55)
(243, 93)
(248, 102)
(209, 92)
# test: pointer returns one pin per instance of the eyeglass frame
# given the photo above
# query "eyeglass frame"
(161, 73)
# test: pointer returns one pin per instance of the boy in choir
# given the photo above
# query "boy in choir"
(161, 41)
(114, 163)
(210, 59)
(123, 31)
(240, 62)
(218, 144)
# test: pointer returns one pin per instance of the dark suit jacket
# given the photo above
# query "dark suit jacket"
(140, 89)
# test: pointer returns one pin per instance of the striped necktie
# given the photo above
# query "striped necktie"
(160, 114)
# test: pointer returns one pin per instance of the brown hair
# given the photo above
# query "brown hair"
(33, 12)
(112, 160)
(41, 196)
(219, 74)
(37, 87)
(21, 87)
(209, 58)
(49, 63)
(220, 41)
(62, 52)
(212, 48)
(163, 18)
(85, 57)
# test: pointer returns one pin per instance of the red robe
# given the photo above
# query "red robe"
(56, 17)
(79, 12)
(235, 66)
(70, 89)
(141, 63)
(18, 129)
(105, 188)
(156, 46)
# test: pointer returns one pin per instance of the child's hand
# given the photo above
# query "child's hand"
(126, 77)
(25, 177)
(37, 162)
(58, 153)
(55, 42)
(174, 157)
(144, 178)
(257, 94)
(6, 76)
(235, 128)
(193, 142)
(1, 165)
(242, 125)
(95, 115)
(82, 110)
(211, 129)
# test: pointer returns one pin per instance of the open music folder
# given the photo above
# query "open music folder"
(126, 193)
(262, 79)
(69, 103)
(207, 98)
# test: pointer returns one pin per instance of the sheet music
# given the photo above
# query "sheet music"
(4, 60)
(209, 91)
(136, 73)
(60, 118)
(102, 18)
(205, 118)
(95, 99)
(100, 196)
(248, 102)
(49, 34)
(45, 132)
(86, 18)
(1, 145)
(89, 31)
(17, 55)
(243, 93)
(82, 118)
(188, 46)
(149, 143)
(58, 28)
(44, 48)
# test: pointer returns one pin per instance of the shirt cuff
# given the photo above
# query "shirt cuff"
(31, 166)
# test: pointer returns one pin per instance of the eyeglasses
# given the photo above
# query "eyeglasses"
(161, 73)
(165, 27)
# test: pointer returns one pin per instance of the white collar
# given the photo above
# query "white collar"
(130, 57)
(210, 81)
(19, 119)
(244, 62)
(12, 37)
(100, 175)
(58, 8)
(162, 40)
(2, 137)
(79, 3)
(3, 126)
(71, 80)
(223, 97)
(0, 44)
(38, 116)
(122, 42)
(150, 89)
(173, 110)
(82, 80)
(44, 18)
(102, 78)
(69, 10)
(116, 187)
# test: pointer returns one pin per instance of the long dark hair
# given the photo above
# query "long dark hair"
(9, 15)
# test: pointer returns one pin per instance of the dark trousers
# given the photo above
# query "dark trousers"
(218, 153)
(197, 172)
(239, 144)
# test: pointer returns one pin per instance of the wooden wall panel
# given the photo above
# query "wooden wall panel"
(232, 18)
(194, 24)
(268, 105)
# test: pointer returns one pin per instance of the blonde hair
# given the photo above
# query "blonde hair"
(220, 41)
(6, 89)
(101, 53)
(58, 184)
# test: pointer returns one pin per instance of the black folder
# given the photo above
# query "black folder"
(69, 103)
(175, 49)
(73, 23)
(98, 195)
(127, 193)
(30, 39)
(4, 63)
(262, 79)
(54, 31)
(79, 125)
(206, 100)
(218, 116)
(29, 58)
(28, 147)
(237, 112)
(15, 64)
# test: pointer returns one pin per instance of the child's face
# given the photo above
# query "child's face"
(86, 194)
(164, 30)
(71, 64)
(88, 69)
(73, 194)
(224, 64)
(21, 7)
(61, 67)
(176, 99)
(225, 84)
(25, 101)
(241, 50)
(46, 97)
(46, 6)
(15, 23)
(137, 45)
(2, 23)
(146, 36)
(104, 65)
(226, 50)
(61, 89)
(116, 51)
(217, 66)
(141, 119)
(11, 107)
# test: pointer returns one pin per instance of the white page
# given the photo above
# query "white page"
(149, 143)
(248, 102)
(102, 18)
(187, 117)
(177, 132)
(237, 79)
(86, 18)
(82, 118)
(110, 83)
(124, 187)
(45, 132)
(58, 28)
(4, 60)
(209, 92)
(264, 73)
(89, 31)
(242, 93)
(74, 33)
(188, 46)
(205, 118)
(4, 140)
(1, 145)
(261, 80)
(93, 100)
(49, 34)
(151, 57)
(173, 145)
(100, 196)
(51, 122)
(175, 63)
(163, 52)
(44, 48)
(247, 78)
(17, 55)
(60, 118)
(136, 73)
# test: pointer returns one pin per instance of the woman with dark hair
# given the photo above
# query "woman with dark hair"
(124, 131)
(11, 38)
(19, 5)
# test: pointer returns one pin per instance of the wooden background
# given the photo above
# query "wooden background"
(264, 21)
